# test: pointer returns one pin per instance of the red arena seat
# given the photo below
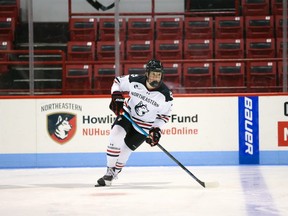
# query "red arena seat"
(229, 27)
(198, 77)
(83, 29)
(198, 28)
(80, 50)
(198, 49)
(78, 79)
(230, 76)
(140, 29)
(169, 28)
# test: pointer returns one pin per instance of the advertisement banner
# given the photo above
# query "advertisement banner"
(248, 130)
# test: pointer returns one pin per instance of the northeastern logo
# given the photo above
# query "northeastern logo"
(61, 126)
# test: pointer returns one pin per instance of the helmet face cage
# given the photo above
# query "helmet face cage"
(155, 66)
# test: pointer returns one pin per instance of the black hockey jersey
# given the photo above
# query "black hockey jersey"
(147, 108)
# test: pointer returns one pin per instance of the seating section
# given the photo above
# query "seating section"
(256, 32)
(9, 19)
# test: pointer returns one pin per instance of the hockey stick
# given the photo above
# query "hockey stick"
(203, 184)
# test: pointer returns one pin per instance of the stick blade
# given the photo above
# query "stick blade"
(211, 184)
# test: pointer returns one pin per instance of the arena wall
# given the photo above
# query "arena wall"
(204, 130)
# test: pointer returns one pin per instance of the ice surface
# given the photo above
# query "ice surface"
(143, 191)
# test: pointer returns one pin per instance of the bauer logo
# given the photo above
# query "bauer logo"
(61, 126)
(248, 130)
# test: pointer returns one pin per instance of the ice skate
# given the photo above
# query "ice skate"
(107, 179)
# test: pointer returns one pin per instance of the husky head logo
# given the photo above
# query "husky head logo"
(141, 109)
(61, 127)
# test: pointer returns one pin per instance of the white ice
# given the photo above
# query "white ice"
(143, 191)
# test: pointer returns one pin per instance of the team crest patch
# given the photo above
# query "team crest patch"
(141, 109)
(61, 126)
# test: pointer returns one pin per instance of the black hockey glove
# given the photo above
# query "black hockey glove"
(117, 101)
(154, 136)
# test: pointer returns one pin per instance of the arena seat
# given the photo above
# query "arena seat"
(104, 75)
(277, 7)
(173, 76)
(260, 48)
(279, 47)
(229, 48)
(280, 73)
(198, 49)
(140, 29)
(168, 49)
(106, 50)
(198, 77)
(78, 79)
(255, 7)
(10, 8)
(83, 29)
(107, 29)
(230, 76)
(198, 27)
(132, 68)
(261, 76)
(4, 45)
(80, 50)
(279, 26)
(7, 28)
(139, 50)
(229, 27)
(259, 26)
(169, 28)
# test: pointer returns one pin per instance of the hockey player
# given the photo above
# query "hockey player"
(149, 105)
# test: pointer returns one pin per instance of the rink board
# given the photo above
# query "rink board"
(210, 130)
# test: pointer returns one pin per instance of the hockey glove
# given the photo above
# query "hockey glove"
(117, 101)
(154, 136)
